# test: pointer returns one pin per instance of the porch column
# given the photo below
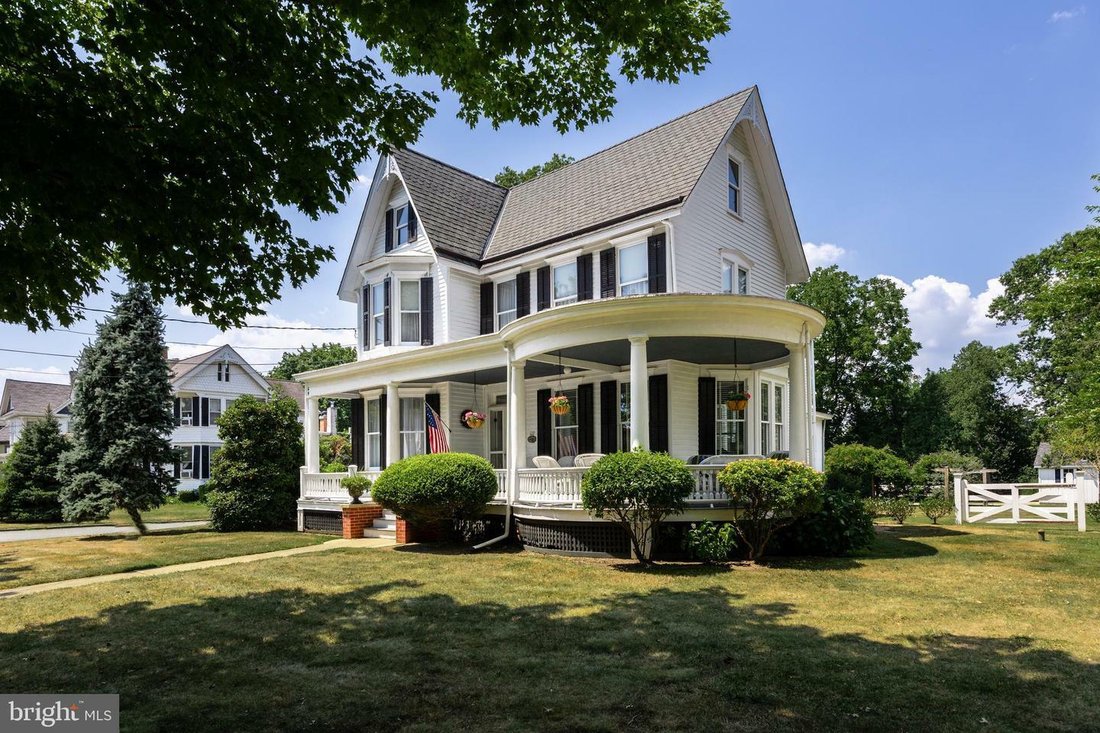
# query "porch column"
(393, 424)
(517, 425)
(800, 438)
(312, 440)
(639, 393)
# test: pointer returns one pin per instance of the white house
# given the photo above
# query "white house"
(1054, 471)
(645, 283)
(203, 386)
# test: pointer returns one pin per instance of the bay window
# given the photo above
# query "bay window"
(410, 312)
(378, 313)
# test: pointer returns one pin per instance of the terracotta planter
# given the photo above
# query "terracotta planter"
(560, 409)
(736, 405)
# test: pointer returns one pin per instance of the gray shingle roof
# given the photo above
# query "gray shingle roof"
(650, 170)
(33, 397)
(180, 367)
(294, 390)
(457, 209)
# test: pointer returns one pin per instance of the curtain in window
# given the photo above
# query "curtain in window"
(412, 426)
(410, 311)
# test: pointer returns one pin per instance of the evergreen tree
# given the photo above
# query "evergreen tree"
(121, 416)
(254, 476)
(29, 487)
(928, 424)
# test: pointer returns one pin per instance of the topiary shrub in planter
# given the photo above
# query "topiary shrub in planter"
(356, 486)
(899, 509)
(637, 490)
(766, 495)
(429, 489)
(842, 526)
(935, 507)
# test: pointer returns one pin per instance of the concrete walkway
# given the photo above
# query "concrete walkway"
(27, 590)
(93, 530)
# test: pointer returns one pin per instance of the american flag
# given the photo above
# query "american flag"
(437, 436)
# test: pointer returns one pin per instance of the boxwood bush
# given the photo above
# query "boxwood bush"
(637, 490)
(428, 489)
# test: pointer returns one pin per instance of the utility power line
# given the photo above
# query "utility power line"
(207, 323)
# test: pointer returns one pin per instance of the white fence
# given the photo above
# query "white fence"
(1016, 503)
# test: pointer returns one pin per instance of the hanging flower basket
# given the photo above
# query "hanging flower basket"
(738, 401)
(472, 419)
(559, 404)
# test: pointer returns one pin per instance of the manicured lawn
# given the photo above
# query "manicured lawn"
(44, 561)
(940, 628)
(176, 511)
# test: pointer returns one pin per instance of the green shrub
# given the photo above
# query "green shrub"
(188, 496)
(768, 494)
(935, 507)
(428, 489)
(842, 526)
(899, 509)
(866, 471)
(711, 543)
(356, 486)
(335, 448)
(637, 490)
(254, 475)
(876, 507)
(334, 467)
(1093, 512)
(927, 478)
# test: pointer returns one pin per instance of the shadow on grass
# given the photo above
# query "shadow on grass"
(393, 655)
(135, 537)
(9, 570)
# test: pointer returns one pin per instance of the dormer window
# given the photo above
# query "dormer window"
(733, 182)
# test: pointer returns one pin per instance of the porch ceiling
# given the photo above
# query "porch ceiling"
(694, 349)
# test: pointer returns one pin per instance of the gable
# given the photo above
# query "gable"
(200, 373)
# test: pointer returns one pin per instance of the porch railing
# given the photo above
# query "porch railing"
(327, 486)
(502, 486)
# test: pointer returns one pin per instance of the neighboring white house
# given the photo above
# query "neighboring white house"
(646, 283)
(1066, 472)
(203, 386)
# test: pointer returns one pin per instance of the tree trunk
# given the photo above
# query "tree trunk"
(135, 517)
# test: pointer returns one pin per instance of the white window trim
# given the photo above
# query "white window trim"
(554, 300)
(619, 284)
(401, 311)
(371, 460)
(407, 206)
(187, 451)
(379, 316)
(402, 432)
(733, 156)
(514, 310)
(189, 421)
(736, 260)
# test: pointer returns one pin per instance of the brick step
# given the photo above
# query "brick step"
(388, 534)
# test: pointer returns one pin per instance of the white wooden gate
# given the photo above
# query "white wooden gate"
(1015, 503)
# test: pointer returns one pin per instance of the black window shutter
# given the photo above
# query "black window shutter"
(586, 419)
(658, 280)
(412, 223)
(584, 277)
(431, 400)
(195, 410)
(542, 420)
(607, 273)
(609, 417)
(196, 461)
(205, 461)
(543, 287)
(707, 405)
(387, 293)
(488, 316)
(389, 229)
(176, 465)
(658, 413)
(382, 430)
(427, 311)
(523, 294)
(358, 432)
(366, 317)
(205, 421)
(176, 414)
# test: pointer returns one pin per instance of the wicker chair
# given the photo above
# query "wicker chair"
(545, 462)
(584, 460)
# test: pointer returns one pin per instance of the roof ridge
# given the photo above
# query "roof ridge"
(455, 168)
(37, 381)
(633, 137)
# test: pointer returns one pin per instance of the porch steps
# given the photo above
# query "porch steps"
(385, 526)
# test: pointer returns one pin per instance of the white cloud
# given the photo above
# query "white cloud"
(1060, 15)
(822, 255)
(946, 315)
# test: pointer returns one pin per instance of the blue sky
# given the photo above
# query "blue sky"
(930, 142)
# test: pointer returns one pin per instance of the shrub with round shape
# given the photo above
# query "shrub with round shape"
(866, 471)
(766, 495)
(637, 490)
(899, 509)
(935, 507)
(844, 525)
(428, 489)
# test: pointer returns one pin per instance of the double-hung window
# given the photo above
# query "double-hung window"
(634, 269)
(187, 462)
(378, 313)
(771, 418)
(223, 371)
(410, 311)
(400, 225)
(733, 184)
(187, 415)
(565, 284)
(729, 424)
(215, 410)
(412, 426)
(735, 276)
(506, 303)
(374, 434)
(565, 429)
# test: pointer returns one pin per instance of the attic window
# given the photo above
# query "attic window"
(401, 225)
(223, 371)
(733, 181)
